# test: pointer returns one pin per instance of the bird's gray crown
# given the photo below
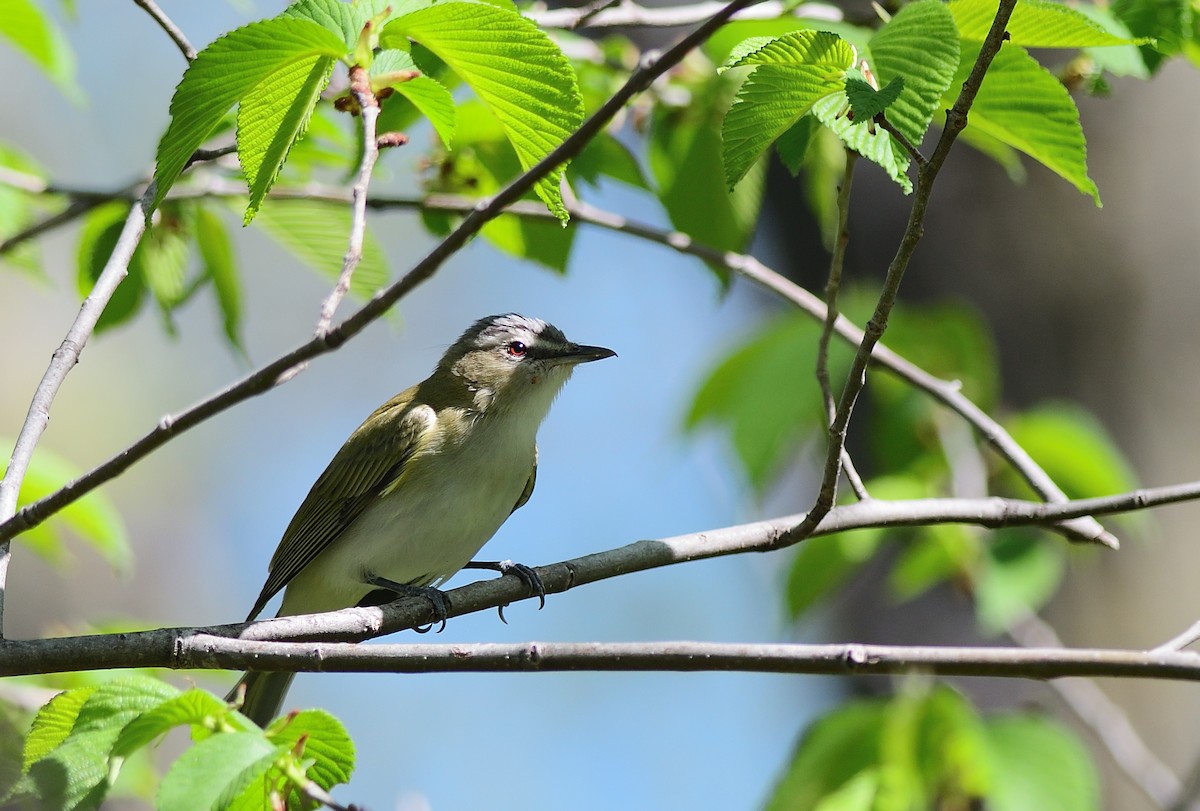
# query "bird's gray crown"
(496, 330)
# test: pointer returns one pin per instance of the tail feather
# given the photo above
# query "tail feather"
(264, 694)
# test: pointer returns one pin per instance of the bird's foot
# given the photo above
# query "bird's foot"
(527, 575)
(390, 590)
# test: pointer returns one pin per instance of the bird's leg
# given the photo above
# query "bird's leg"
(389, 590)
(527, 575)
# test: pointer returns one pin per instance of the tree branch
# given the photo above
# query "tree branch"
(166, 647)
(61, 363)
(173, 31)
(283, 367)
(625, 13)
(956, 120)
(368, 105)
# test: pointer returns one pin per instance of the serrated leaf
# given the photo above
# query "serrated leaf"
(93, 518)
(191, 707)
(97, 238)
(1054, 767)
(213, 768)
(921, 45)
(341, 17)
(1034, 24)
(316, 233)
(1025, 106)
(866, 102)
(327, 745)
(32, 32)
(223, 74)
(877, 147)
(429, 96)
(52, 724)
(216, 254)
(514, 68)
(792, 73)
(1168, 22)
(272, 117)
(78, 773)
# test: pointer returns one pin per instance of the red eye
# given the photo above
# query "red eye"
(516, 349)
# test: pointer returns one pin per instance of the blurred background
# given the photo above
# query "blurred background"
(1092, 305)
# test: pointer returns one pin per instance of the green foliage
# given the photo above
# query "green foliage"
(93, 518)
(931, 750)
(866, 102)
(17, 211)
(31, 31)
(1034, 24)
(80, 740)
(315, 233)
(512, 66)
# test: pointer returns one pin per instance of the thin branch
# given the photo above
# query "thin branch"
(280, 369)
(1107, 721)
(61, 363)
(631, 14)
(832, 288)
(1182, 640)
(949, 393)
(164, 647)
(173, 31)
(360, 87)
(901, 139)
(956, 120)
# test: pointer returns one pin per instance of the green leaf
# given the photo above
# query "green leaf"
(877, 147)
(1020, 572)
(316, 233)
(1034, 24)
(685, 159)
(936, 553)
(765, 412)
(834, 751)
(919, 44)
(213, 769)
(605, 156)
(1073, 447)
(1023, 105)
(792, 145)
(429, 96)
(1054, 769)
(725, 42)
(53, 723)
(791, 74)
(93, 518)
(514, 68)
(17, 210)
(856, 794)
(226, 72)
(326, 744)
(192, 707)
(272, 117)
(343, 18)
(866, 102)
(33, 33)
(216, 254)
(78, 772)
(162, 257)
(97, 238)
(1168, 22)
(822, 565)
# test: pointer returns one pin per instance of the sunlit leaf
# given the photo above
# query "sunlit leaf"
(1034, 24)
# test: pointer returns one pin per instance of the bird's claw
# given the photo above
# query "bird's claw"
(437, 598)
(526, 574)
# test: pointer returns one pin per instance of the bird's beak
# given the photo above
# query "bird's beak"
(581, 353)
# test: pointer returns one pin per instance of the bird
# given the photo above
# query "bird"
(426, 480)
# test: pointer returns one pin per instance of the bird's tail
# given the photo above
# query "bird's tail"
(264, 694)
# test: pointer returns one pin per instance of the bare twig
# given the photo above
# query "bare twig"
(832, 287)
(1107, 721)
(280, 369)
(173, 31)
(901, 139)
(61, 363)
(1182, 640)
(360, 87)
(165, 647)
(627, 13)
(956, 120)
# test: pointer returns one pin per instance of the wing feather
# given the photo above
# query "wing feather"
(370, 462)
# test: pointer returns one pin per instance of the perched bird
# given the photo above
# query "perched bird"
(423, 483)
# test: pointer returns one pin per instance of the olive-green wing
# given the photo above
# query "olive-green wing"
(371, 461)
(529, 485)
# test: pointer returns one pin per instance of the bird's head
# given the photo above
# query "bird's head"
(509, 359)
